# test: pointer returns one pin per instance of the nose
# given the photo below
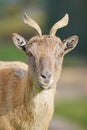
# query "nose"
(46, 75)
(45, 79)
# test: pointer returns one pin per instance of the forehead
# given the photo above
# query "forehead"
(44, 44)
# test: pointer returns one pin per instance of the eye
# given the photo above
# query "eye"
(31, 59)
(60, 55)
(30, 54)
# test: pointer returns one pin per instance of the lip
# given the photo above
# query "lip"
(44, 86)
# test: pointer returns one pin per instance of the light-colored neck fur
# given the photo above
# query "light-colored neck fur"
(40, 106)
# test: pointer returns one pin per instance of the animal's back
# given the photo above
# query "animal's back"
(12, 83)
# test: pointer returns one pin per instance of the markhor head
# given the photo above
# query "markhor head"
(45, 52)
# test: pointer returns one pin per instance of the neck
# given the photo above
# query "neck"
(40, 104)
(34, 90)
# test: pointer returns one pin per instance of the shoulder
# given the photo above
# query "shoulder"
(18, 69)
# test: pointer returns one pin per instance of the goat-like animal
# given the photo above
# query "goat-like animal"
(27, 91)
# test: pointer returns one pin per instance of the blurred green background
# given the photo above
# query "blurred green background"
(71, 97)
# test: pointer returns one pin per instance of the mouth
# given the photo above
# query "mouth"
(44, 86)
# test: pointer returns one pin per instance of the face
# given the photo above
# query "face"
(45, 57)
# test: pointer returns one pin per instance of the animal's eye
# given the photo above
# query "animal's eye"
(60, 55)
(30, 54)
(31, 59)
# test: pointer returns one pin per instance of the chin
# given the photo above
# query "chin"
(45, 86)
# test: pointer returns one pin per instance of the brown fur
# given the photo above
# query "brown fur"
(22, 108)
(23, 104)
(27, 91)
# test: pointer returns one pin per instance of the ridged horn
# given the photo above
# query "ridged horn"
(32, 23)
(60, 24)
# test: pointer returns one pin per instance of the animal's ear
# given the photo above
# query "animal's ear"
(70, 43)
(19, 41)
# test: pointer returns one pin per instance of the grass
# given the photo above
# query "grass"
(75, 111)
(11, 53)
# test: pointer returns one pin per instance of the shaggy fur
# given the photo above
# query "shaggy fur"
(27, 91)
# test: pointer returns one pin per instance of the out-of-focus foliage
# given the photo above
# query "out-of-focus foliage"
(46, 12)
(74, 110)
(77, 10)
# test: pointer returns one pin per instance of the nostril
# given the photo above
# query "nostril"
(43, 76)
(46, 76)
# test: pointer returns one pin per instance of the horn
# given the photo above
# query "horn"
(32, 23)
(60, 24)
